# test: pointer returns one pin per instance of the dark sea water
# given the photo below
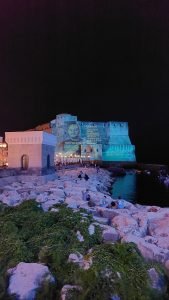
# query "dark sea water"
(141, 188)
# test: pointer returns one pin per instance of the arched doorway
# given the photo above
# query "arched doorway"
(48, 161)
(24, 162)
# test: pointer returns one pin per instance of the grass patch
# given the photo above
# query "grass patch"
(28, 234)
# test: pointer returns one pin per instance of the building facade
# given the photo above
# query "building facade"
(32, 151)
(3, 153)
(94, 141)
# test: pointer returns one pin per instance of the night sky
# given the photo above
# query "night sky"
(84, 56)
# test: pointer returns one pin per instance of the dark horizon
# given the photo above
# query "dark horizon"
(99, 61)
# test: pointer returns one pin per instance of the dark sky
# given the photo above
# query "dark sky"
(81, 57)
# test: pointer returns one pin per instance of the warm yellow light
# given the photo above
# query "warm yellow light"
(3, 145)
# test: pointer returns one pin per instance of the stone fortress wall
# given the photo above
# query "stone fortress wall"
(104, 141)
(101, 141)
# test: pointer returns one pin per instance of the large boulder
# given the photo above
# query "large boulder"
(110, 234)
(124, 224)
(26, 278)
(84, 262)
(158, 281)
(163, 242)
(142, 220)
(11, 198)
(110, 213)
(67, 289)
(157, 226)
(148, 249)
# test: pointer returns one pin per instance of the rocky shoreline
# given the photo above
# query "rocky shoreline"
(145, 226)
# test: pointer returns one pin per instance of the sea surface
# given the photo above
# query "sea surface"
(141, 188)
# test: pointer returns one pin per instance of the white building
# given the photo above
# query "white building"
(32, 151)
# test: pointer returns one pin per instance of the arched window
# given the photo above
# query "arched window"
(48, 161)
(24, 162)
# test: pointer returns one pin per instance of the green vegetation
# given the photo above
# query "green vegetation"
(30, 235)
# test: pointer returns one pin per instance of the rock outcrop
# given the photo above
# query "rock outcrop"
(26, 278)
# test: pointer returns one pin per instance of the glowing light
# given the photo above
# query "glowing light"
(3, 145)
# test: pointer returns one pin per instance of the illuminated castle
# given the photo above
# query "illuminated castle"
(104, 141)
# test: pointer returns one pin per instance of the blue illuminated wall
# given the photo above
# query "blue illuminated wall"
(106, 141)
(119, 147)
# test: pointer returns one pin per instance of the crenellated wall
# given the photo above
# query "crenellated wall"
(106, 141)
